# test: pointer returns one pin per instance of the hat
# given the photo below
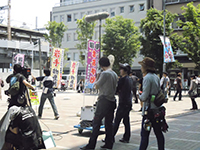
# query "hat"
(126, 67)
(148, 63)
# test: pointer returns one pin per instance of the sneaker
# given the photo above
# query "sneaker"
(86, 148)
(57, 117)
(123, 141)
(104, 147)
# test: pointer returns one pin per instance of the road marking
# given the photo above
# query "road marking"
(193, 132)
(186, 140)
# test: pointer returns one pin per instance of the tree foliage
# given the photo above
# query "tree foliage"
(152, 27)
(121, 39)
(190, 43)
(85, 31)
(56, 33)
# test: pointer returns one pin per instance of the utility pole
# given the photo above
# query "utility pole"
(9, 27)
(164, 35)
(40, 60)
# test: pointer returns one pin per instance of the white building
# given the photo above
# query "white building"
(68, 11)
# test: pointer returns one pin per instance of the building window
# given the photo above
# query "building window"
(89, 12)
(61, 18)
(68, 56)
(132, 8)
(69, 36)
(96, 11)
(96, 35)
(104, 10)
(55, 18)
(141, 7)
(121, 9)
(75, 16)
(76, 57)
(174, 24)
(69, 18)
(82, 15)
(112, 12)
(75, 36)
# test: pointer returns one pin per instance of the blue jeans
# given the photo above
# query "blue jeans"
(123, 113)
(145, 135)
(50, 96)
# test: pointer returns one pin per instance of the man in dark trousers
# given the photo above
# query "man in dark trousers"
(134, 87)
(179, 87)
(124, 90)
(107, 84)
(48, 92)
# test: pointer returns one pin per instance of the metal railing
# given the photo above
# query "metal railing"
(177, 1)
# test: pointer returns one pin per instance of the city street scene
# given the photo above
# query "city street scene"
(99, 74)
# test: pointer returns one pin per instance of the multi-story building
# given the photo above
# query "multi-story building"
(22, 42)
(68, 11)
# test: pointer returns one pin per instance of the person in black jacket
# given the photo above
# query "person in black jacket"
(47, 93)
(124, 90)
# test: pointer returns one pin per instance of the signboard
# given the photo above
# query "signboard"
(18, 59)
(73, 74)
(168, 52)
(34, 98)
(57, 66)
(92, 62)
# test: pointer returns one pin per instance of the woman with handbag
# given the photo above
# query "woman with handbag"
(193, 92)
(151, 86)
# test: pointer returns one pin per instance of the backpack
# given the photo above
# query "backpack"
(14, 88)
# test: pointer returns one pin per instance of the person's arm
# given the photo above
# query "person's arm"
(120, 85)
(191, 85)
(181, 84)
(38, 78)
(100, 81)
(146, 90)
(28, 85)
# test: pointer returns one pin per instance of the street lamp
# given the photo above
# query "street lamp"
(98, 16)
(164, 64)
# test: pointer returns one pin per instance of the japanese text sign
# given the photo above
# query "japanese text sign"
(92, 62)
(73, 74)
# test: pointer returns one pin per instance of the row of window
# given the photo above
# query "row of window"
(112, 13)
(75, 56)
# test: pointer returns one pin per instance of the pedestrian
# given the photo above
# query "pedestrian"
(164, 84)
(193, 93)
(140, 89)
(179, 87)
(20, 98)
(48, 92)
(1, 86)
(135, 80)
(151, 86)
(80, 86)
(107, 84)
(124, 90)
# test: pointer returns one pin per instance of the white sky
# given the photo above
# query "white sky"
(27, 10)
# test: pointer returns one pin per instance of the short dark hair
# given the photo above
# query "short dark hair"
(165, 73)
(17, 68)
(47, 72)
(133, 73)
(104, 62)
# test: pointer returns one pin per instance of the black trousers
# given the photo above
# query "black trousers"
(135, 94)
(179, 91)
(105, 108)
(194, 104)
(123, 113)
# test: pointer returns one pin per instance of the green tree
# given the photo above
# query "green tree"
(85, 31)
(191, 32)
(121, 39)
(56, 33)
(152, 26)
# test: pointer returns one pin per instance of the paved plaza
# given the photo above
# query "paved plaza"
(184, 125)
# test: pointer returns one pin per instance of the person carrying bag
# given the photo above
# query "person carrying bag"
(193, 92)
(152, 111)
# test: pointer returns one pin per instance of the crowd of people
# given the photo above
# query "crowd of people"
(23, 124)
